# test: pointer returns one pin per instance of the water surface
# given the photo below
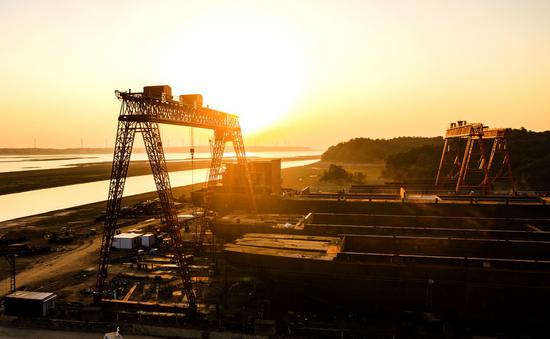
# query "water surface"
(28, 203)
(15, 163)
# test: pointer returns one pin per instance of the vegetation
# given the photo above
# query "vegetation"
(365, 150)
(337, 174)
(417, 163)
(409, 158)
(528, 150)
(530, 157)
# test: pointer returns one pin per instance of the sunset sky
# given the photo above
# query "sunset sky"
(299, 73)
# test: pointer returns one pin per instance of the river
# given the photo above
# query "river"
(28, 203)
(15, 163)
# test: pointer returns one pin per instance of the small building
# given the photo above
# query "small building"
(127, 241)
(29, 304)
(264, 174)
(148, 240)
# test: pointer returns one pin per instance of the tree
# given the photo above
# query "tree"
(339, 175)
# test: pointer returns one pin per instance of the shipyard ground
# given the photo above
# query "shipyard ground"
(10, 332)
(233, 299)
(69, 269)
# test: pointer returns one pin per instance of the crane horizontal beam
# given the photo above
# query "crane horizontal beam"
(493, 133)
(140, 108)
(475, 130)
(464, 131)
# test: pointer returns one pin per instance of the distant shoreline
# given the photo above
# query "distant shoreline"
(201, 148)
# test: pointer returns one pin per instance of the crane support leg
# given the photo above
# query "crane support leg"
(220, 138)
(238, 145)
(10, 257)
(485, 183)
(155, 152)
(213, 179)
(121, 159)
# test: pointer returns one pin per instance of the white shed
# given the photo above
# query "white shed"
(29, 304)
(148, 240)
(127, 241)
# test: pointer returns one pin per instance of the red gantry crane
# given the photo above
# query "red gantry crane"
(143, 112)
(465, 161)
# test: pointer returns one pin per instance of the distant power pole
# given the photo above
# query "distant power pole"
(81, 142)
(34, 142)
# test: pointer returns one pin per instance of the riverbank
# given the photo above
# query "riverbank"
(167, 149)
(22, 181)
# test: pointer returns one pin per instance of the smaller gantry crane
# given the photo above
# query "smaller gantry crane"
(466, 162)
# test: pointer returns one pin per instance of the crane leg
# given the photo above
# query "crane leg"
(157, 160)
(121, 159)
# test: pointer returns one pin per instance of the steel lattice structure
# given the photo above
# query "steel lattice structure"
(140, 113)
(221, 137)
(465, 163)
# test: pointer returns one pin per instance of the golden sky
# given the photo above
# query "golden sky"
(299, 73)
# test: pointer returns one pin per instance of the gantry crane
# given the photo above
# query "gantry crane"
(465, 162)
(143, 112)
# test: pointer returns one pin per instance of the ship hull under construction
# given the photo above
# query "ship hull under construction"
(464, 206)
(233, 226)
(372, 274)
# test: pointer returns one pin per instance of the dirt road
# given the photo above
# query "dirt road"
(9, 333)
(65, 263)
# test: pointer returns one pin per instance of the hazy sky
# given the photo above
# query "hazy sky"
(309, 73)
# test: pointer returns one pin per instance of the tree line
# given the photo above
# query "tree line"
(412, 158)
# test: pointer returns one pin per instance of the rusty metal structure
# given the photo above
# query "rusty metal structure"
(474, 157)
(143, 112)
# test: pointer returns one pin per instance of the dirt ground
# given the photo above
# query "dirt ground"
(14, 333)
(63, 261)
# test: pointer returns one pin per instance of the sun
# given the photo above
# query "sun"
(253, 70)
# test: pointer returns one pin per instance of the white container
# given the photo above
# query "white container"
(127, 241)
(148, 240)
